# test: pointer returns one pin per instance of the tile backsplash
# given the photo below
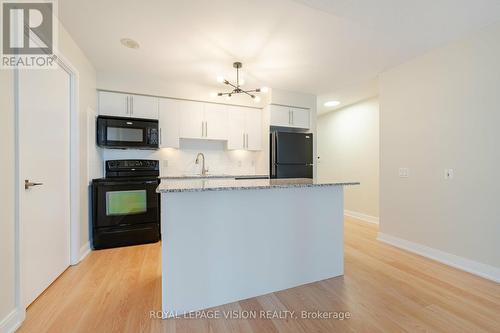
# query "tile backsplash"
(178, 162)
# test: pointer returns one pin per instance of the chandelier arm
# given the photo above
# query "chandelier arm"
(248, 93)
(232, 85)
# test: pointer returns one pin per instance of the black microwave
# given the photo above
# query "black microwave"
(123, 133)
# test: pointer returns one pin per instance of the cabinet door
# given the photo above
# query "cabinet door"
(113, 104)
(253, 129)
(144, 107)
(300, 118)
(280, 116)
(169, 123)
(216, 122)
(192, 121)
(236, 127)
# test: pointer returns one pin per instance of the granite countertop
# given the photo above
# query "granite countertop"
(221, 184)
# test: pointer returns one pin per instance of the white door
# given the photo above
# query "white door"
(215, 121)
(253, 129)
(44, 157)
(280, 116)
(169, 123)
(300, 118)
(145, 107)
(113, 104)
(236, 128)
(192, 122)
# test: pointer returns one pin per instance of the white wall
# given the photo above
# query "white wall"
(87, 107)
(441, 111)
(348, 147)
(7, 190)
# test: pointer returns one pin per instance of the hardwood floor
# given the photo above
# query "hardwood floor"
(384, 289)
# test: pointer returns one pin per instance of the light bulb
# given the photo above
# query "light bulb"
(256, 99)
(264, 89)
(220, 79)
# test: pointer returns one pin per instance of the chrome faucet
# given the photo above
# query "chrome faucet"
(203, 170)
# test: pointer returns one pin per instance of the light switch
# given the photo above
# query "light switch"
(404, 172)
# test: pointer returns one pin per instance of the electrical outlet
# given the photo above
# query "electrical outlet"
(448, 174)
(404, 172)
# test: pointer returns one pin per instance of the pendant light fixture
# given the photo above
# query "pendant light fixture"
(237, 86)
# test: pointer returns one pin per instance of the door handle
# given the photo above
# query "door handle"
(28, 184)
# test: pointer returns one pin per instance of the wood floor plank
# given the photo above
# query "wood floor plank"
(384, 288)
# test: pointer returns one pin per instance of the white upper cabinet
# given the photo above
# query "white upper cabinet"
(126, 105)
(192, 120)
(113, 104)
(236, 127)
(143, 107)
(215, 118)
(203, 121)
(300, 118)
(253, 129)
(286, 116)
(280, 116)
(169, 123)
(245, 128)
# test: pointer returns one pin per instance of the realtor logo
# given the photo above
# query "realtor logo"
(28, 34)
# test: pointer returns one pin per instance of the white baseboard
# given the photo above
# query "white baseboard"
(473, 267)
(361, 216)
(84, 251)
(12, 321)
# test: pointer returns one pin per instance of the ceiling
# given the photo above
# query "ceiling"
(310, 46)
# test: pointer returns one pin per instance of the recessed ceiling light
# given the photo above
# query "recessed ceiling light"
(130, 43)
(332, 103)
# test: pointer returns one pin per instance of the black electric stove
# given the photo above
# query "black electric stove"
(125, 205)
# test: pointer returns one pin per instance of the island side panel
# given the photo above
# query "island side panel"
(223, 246)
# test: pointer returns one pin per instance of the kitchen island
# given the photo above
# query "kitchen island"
(225, 240)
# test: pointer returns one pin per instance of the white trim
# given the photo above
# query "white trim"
(84, 251)
(12, 321)
(473, 267)
(361, 216)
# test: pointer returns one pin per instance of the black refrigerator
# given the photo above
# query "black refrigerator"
(291, 155)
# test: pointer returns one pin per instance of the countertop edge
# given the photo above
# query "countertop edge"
(256, 187)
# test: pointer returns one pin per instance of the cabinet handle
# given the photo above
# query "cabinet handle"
(206, 129)
(128, 106)
(289, 117)
(202, 129)
(291, 112)
(244, 139)
(247, 140)
(160, 137)
(131, 105)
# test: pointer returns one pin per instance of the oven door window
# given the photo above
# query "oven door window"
(126, 202)
(125, 134)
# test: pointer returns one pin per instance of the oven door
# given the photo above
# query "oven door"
(125, 203)
(116, 132)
